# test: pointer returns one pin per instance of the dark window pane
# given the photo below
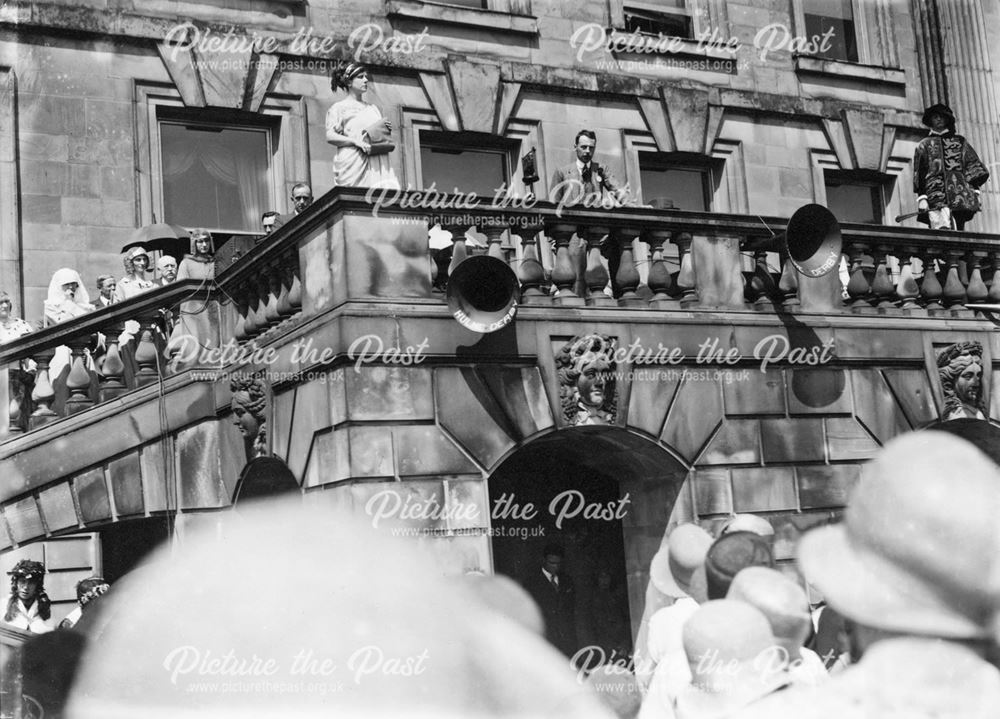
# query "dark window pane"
(823, 15)
(461, 168)
(685, 187)
(657, 23)
(479, 4)
(855, 202)
(214, 177)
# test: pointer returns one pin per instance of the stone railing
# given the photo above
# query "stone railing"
(663, 260)
(344, 249)
(100, 367)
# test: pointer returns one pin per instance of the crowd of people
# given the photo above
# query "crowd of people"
(909, 581)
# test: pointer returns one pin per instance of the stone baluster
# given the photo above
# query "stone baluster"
(286, 276)
(18, 406)
(596, 276)
(43, 395)
(930, 287)
(79, 378)
(993, 296)
(858, 288)
(788, 283)
(269, 287)
(530, 273)
(243, 310)
(761, 289)
(295, 285)
(255, 323)
(906, 287)
(459, 251)
(146, 357)
(976, 291)
(660, 282)
(112, 370)
(953, 293)
(686, 282)
(563, 270)
(627, 278)
(882, 287)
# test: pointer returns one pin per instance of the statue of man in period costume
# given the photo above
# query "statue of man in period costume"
(947, 173)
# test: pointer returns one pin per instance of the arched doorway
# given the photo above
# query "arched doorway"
(606, 495)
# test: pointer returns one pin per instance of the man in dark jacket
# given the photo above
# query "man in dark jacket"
(553, 591)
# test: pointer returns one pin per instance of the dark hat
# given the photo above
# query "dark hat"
(27, 569)
(729, 554)
(938, 109)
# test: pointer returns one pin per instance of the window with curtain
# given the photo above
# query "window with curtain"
(823, 16)
(215, 176)
(670, 18)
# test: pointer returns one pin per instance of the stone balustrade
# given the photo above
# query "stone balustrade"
(344, 248)
(99, 356)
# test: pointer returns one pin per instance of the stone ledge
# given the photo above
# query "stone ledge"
(869, 74)
(492, 20)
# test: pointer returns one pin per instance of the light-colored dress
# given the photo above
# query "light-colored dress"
(352, 167)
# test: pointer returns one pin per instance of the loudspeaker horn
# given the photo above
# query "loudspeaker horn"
(483, 293)
(813, 240)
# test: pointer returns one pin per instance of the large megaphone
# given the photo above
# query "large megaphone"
(483, 293)
(812, 240)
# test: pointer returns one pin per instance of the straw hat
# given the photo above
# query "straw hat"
(727, 645)
(674, 569)
(919, 549)
(748, 523)
(781, 600)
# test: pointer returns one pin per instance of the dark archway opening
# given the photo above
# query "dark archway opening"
(605, 495)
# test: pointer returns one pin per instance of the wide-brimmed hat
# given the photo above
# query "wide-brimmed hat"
(919, 549)
(778, 598)
(674, 569)
(732, 553)
(938, 109)
(28, 569)
(733, 659)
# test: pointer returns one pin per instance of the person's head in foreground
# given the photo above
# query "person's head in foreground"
(357, 624)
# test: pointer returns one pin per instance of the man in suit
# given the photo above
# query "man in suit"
(302, 197)
(553, 591)
(587, 183)
(106, 286)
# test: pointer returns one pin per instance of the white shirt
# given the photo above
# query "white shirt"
(26, 618)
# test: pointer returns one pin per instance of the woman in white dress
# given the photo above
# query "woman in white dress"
(347, 124)
(67, 298)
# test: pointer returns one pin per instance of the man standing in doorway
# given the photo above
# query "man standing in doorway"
(553, 591)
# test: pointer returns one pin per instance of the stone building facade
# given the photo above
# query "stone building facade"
(103, 101)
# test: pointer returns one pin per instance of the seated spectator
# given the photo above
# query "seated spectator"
(87, 590)
(786, 607)
(166, 267)
(199, 264)
(11, 327)
(913, 568)
(106, 291)
(28, 606)
(267, 221)
(725, 641)
(67, 297)
(134, 282)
